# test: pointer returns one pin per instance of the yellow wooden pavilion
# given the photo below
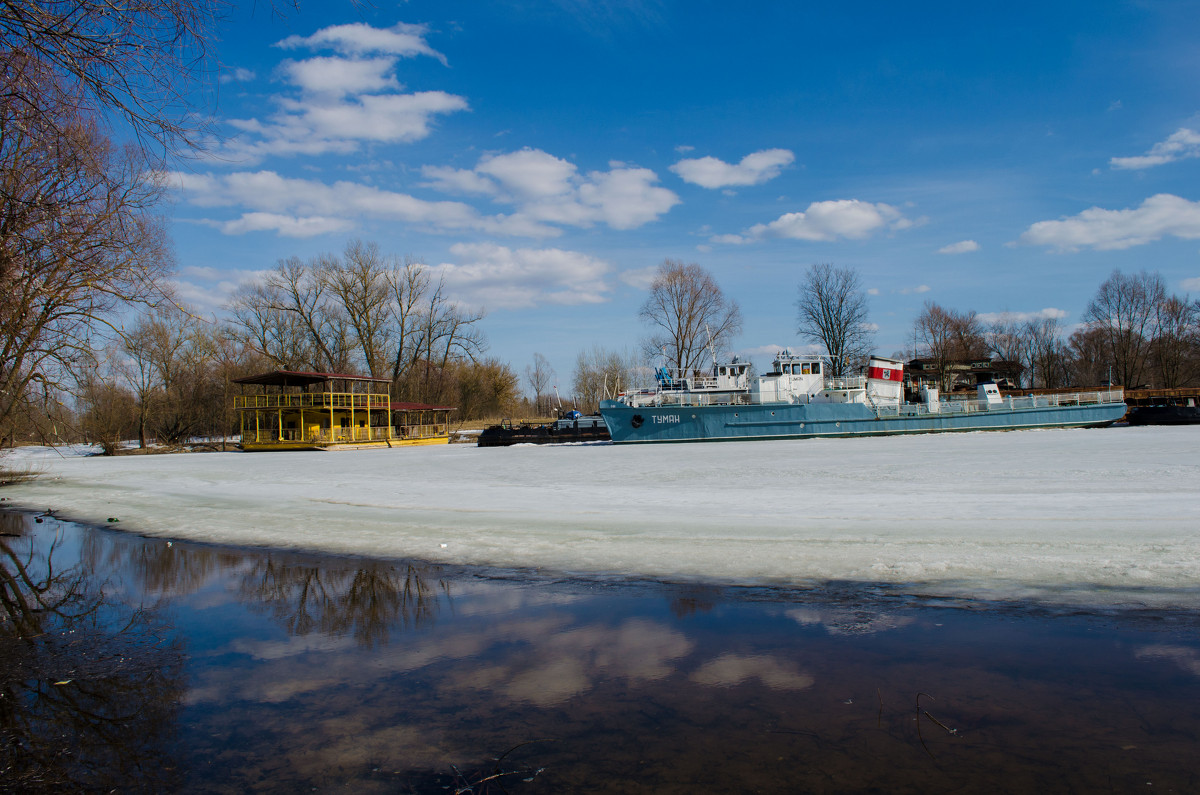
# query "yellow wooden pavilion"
(288, 410)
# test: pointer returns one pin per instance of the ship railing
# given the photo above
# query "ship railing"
(325, 400)
(846, 382)
(1007, 403)
(341, 435)
(693, 399)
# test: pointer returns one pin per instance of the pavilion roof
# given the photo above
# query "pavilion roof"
(299, 378)
(420, 407)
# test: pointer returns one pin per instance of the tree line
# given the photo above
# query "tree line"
(1134, 333)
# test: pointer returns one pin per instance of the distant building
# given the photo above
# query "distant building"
(287, 410)
(962, 375)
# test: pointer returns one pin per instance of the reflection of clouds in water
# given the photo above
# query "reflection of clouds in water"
(352, 743)
(486, 599)
(551, 683)
(849, 622)
(1186, 658)
(546, 661)
(297, 644)
(638, 649)
(733, 669)
(559, 666)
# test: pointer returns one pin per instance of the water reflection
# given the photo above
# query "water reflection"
(225, 670)
(89, 685)
(367, 601)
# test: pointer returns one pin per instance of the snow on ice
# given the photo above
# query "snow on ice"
(1108, 516)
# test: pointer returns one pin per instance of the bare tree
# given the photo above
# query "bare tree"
(360, 286)
(1124, 311)
(933, 338)
(1176, 349)
(599, 374)
(1087, 357)
(279, 336)
(1046, 353)
(136, 369)
(408, 282)
(539, 375)
(946, 336)
(135, 61)
(833, 313)
(447, 330)
(1005, 339)
(487, 388)
(687, 312)
(79, 243)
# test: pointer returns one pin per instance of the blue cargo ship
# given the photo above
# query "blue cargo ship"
(797, 399)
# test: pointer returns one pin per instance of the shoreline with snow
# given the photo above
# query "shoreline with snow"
(1098, 517)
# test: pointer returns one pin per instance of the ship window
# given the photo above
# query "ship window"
(804, 369)
(816, 368)
(722, 371)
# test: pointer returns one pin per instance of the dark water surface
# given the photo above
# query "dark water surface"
(135, 664)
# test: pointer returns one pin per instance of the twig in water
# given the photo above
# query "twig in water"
(924, 712)
(464, 786)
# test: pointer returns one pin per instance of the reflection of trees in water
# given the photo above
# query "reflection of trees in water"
(365, 599)
(162, 568)
(688, 599)
(89, 686)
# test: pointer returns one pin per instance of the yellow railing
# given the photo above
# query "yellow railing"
(344, 435)
(323, 400)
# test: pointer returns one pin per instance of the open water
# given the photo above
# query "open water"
(145, 664)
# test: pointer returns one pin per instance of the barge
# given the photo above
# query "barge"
(797, 399)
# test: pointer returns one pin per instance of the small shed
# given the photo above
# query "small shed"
(290, 410)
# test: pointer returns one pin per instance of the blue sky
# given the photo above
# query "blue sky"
(544, 157)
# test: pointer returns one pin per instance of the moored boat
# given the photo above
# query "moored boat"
(572, 426)
(798, 399)
(1164, 414)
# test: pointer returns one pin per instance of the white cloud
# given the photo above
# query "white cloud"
(1190, 284)
(238, 75)
(873, 291)
(829, 220)
(268, 199)
(445, 179)
(339, 76)
(333, 104)
(961, 247)
(919, 289)
(286, 225)
(1180, 145)
(400, 40)
(530, 173)
(754, 169)
(1103, 230)
(498, 277)
(1049, 313)
(626, 198)
(641, 278)
(550, 190)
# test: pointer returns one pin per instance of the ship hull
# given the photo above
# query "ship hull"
(745, 422)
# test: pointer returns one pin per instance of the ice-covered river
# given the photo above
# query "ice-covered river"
(1107, 516)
